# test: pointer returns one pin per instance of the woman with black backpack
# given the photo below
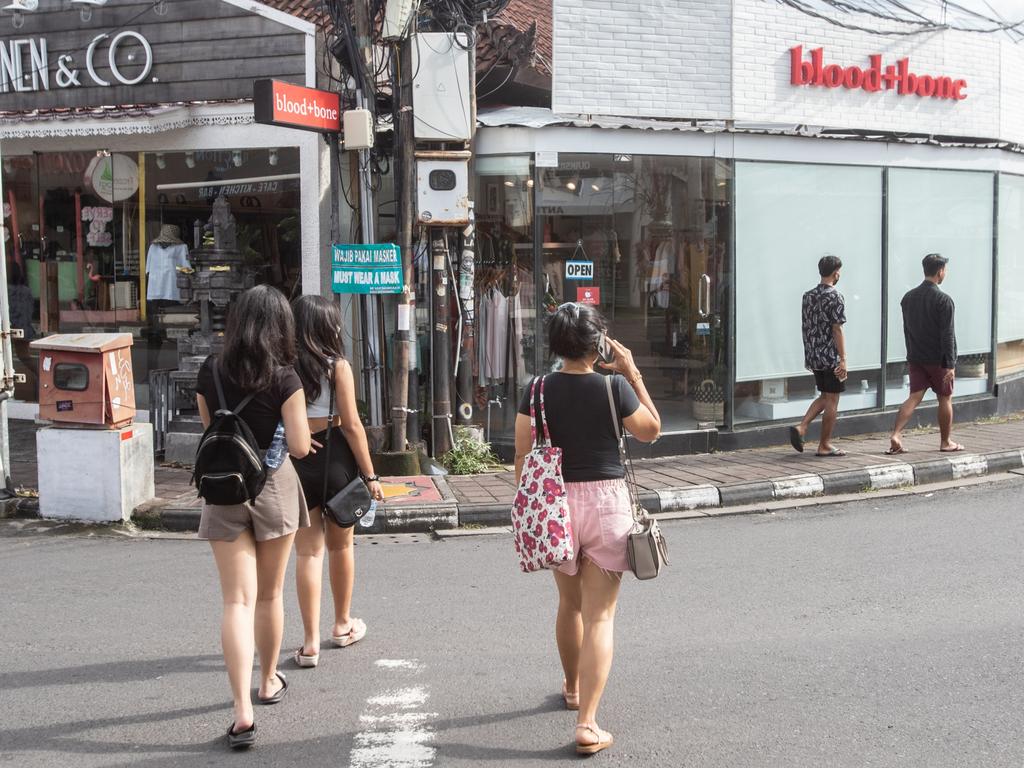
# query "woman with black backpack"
(331, 391)
(253, 501)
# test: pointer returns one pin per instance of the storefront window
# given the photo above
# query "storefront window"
(788, 217)
(646, 239)
(1010, 329)
(505, 292)
(104, 241)
(947, 212)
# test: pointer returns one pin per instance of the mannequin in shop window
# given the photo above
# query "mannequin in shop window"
(166, 253)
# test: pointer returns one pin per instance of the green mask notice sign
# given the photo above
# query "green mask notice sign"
(366, 268)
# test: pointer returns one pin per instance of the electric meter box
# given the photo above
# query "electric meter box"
(86, 379)
(441, 97)
(442, 192)
(357, 128)
(397, 15)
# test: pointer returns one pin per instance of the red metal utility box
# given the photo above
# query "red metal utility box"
(86, 378)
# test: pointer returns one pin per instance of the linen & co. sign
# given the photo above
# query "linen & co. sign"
(873, 78)
(25, 63)
(152, 53)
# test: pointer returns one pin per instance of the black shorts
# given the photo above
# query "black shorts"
(343, 468)
(828, 382)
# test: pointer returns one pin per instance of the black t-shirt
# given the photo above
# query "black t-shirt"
(580, 422)
(263, 413)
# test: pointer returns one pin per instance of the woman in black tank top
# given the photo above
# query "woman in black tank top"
(581, 424)
(318, 328)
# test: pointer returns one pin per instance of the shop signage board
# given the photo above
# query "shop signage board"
(579, 270)
(896, 77)
(588, 294)
(366, 268)
(276, 102)
(113, 177)
(131, 53)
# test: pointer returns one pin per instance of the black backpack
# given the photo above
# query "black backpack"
(229, 465)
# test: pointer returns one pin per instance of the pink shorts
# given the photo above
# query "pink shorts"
(601, 519)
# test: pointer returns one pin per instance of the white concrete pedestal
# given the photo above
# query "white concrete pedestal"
(94, 474)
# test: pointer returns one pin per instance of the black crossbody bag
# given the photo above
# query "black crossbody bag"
(348, 505)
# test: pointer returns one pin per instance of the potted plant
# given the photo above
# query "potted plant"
(709, 397)
(971, 366)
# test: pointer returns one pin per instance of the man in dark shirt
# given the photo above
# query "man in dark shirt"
(822, 318)
(931, 351)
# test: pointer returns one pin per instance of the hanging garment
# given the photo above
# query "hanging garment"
(162, 262)
(498, 340)
(519, 362)
(484, 311)
(661, 274)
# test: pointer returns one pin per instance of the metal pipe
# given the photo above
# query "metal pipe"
(7, 355)
(228, 182)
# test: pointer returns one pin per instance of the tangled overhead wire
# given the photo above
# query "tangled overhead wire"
(905, 17)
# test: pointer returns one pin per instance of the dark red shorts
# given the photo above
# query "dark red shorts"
(925, 376)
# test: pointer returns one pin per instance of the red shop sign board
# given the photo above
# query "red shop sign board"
(588, 294)
(292, 106)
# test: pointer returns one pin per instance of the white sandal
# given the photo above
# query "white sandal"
(356, 632)
(604, 739)
(304, 661)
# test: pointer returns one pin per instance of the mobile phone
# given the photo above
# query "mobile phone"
(604, 350)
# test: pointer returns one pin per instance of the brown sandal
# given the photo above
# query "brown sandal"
(604, 739)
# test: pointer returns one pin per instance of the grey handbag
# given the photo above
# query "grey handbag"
(646, 550)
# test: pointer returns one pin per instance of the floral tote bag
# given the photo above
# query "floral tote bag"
(540, 512)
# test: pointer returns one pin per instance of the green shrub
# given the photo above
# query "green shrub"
(469, 457)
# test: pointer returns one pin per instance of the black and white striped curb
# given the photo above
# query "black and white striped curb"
(883, 476)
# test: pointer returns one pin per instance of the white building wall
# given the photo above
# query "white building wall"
(667, 59)
(1011, 101)
(730, 60)
(764, 32)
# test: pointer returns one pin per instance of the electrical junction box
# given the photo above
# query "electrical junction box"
(441, 98)
(442, 192)
(397, 15)
(357, 128)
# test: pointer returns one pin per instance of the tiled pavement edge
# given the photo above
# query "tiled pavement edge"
(711, 481)
(675, 484)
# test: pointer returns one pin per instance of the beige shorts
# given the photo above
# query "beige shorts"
(280, 509)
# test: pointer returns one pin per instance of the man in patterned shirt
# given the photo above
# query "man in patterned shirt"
(824, 313)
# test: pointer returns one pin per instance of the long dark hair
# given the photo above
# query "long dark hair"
(318, 328)
(259, 338)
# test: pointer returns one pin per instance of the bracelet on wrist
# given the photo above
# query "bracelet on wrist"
(371, 478)
(635, 378)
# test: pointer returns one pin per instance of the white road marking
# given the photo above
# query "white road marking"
(412, 664)
(396, 732)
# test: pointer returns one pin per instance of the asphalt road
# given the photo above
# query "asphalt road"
(885, 632)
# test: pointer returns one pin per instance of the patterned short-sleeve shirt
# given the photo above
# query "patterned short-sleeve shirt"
(823, 307)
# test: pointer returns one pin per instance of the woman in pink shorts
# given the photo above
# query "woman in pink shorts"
(580, 421)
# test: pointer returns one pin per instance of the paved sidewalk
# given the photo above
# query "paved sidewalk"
(678, 484)
(763, 464)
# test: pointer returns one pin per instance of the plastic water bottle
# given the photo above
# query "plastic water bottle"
(278, 449)
(367, 520)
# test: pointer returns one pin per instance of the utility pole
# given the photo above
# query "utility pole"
(373, 362)
(440, 368)
(405, 151)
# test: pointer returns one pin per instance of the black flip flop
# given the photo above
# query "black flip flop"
(277, 696)
(241, 739)
(796, 440)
